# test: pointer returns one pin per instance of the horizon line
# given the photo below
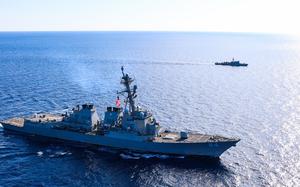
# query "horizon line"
(175, 31)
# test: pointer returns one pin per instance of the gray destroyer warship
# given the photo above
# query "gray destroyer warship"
(231, 63)
(126, 128)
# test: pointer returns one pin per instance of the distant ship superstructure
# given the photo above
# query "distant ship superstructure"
(231, 63)
(129, 128)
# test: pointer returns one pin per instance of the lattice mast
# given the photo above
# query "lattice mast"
(131, 92)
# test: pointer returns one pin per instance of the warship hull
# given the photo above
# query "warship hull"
(126, 141)
(229, 64)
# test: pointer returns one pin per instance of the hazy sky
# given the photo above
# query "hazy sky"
(279, 16)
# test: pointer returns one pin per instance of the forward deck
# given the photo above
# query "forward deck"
(173, 137)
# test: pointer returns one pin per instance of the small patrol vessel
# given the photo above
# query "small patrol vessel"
(128, 128)
(232, 63)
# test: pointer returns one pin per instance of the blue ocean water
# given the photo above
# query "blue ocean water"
(177, 81)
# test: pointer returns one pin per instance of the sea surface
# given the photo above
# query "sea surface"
(178, 82)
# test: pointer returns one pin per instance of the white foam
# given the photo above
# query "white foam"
(61, 153)
(40, 153)
(124, 156)
(148, 156)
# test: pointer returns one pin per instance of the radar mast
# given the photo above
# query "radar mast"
(131, 91)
